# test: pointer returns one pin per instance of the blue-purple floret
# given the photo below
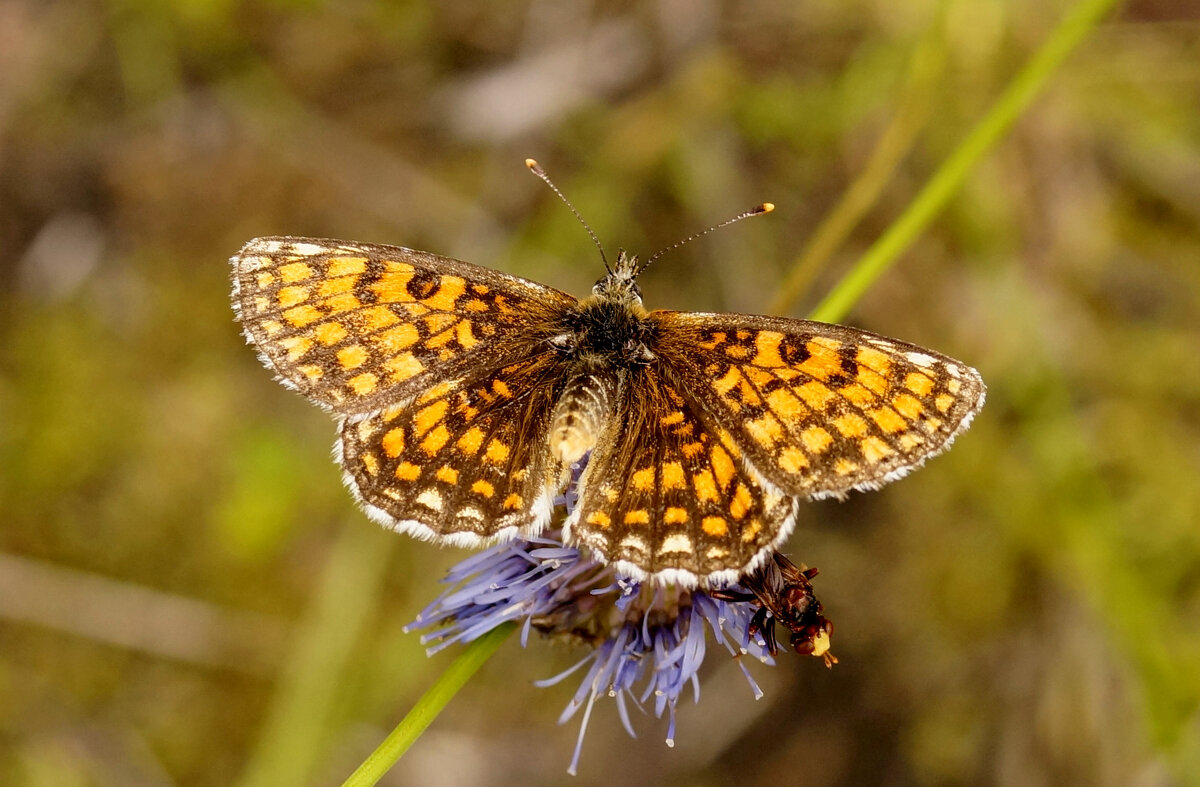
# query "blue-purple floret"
(542, 584)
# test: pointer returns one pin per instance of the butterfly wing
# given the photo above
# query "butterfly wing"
(464, 462)
(357, 327)
(818, 409)
(665, 496)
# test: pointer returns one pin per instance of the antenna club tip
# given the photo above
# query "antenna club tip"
(766, 207)
(531, 163)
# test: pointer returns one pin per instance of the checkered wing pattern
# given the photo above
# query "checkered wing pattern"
(462, 392)
(665, 495)
(818, 409)
(357, 327)
(464, 462)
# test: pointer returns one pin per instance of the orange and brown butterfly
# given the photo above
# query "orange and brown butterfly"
(465, 396)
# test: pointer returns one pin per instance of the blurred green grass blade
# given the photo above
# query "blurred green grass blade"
(912, 110)
(432, 703)
(1012, 102)
(295, 730)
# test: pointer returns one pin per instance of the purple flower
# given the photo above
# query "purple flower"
(647, 641)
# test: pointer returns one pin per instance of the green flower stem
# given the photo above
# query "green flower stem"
(1012, 102)
(428, 707)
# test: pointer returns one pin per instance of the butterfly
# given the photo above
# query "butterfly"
(466, 396)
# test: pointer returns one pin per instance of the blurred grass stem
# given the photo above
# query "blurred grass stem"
(1016, 98)
(895, 143)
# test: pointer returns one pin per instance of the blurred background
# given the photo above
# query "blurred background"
(188, 595)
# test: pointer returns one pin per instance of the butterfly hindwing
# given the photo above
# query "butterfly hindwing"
(466, 461)
(663, 495)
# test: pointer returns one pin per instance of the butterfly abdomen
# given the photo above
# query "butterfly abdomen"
(586, 403)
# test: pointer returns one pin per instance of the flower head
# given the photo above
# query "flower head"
(647, 641)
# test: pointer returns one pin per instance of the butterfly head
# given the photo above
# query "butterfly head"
(620, 285)
(610, 326)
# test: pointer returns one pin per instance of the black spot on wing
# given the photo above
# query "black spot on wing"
(363, 287)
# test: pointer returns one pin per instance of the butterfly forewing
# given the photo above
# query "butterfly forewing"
(358, 327)
(818, 409)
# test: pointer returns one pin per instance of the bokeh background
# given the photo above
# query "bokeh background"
(188, 595)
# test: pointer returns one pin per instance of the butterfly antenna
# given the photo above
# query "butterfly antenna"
(536, 169)
(757, 210)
